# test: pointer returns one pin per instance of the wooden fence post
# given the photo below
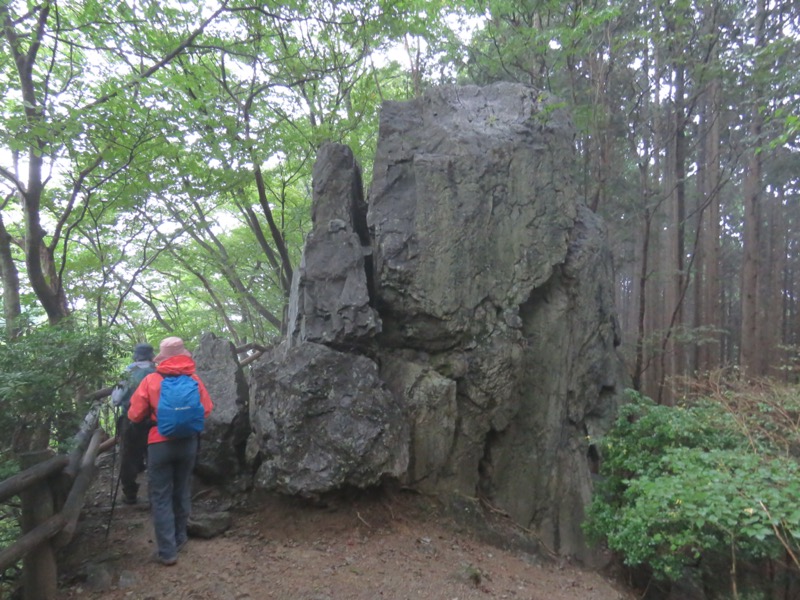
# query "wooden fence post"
(39, 569)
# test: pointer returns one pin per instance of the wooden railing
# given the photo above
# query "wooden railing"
(51, 489)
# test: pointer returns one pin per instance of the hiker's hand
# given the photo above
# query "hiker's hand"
(117, 395)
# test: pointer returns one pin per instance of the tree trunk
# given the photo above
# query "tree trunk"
(749, 350)
(38, 257)
(10, 282)
(641, 282)
(708, 306)
(773, 314)
(712, 300)
(679, 279)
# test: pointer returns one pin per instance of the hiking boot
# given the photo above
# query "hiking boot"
(167, 562)
(129, 499)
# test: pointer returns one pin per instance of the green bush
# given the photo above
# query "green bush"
(45, 373)
(686, 484)
(9, 533)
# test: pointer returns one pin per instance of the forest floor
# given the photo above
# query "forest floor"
(381, 545)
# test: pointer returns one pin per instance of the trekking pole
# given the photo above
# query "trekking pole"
(114, 486)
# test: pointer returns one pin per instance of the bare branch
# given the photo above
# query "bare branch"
(6, 174)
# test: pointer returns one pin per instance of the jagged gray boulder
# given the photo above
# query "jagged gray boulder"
(493, 365)
(323, 420)
(221, 455)
(329, 302)
(487, 264)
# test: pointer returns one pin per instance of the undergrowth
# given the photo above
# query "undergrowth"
(713, 481)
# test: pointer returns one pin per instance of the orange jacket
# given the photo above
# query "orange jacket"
(144, 402)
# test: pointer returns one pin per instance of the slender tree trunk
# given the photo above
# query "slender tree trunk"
(277, 236)
(10, 281)
(773, 314)
(712, 300)
(707, 288)
(655, 307)
(698, 356)
(641, 282)
(789, 332)
(645, 367)
(749, 351)
(679, 278)
(602, 139)
(38, 257)
(669, 267)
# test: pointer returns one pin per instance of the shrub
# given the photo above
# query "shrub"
(45, 373)
(686, 484)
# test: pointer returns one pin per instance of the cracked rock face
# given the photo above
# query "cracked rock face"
(480, 288)
(330, 302)
(220, 457)
(470, 209)
(324, 420)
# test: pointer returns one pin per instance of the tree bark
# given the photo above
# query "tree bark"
(749, 350)
(679, 279)
(9, 276)
(772, 315)
(711, 302)
(49, 293)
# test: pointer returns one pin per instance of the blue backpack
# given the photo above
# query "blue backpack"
(180, 412)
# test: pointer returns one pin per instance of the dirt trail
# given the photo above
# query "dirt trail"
(374, 546)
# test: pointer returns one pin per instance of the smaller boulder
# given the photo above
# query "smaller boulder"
(209, 525)
(220, 458)
(322, 420)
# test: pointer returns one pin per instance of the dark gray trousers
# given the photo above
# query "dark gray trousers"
(132, 452)
(169, 474)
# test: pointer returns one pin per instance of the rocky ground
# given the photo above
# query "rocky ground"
(392, 545)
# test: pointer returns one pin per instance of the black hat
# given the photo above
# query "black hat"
(143, 352)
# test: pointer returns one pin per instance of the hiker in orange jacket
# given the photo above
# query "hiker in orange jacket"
(170, 460)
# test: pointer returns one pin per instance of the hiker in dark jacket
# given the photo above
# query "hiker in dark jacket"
(132, 436)
(170, 460)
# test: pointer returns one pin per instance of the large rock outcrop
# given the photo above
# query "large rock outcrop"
(480, 289)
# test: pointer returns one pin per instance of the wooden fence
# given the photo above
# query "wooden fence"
(51, 490)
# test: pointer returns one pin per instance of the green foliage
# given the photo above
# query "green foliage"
(9, 533)
(689, 483)
(9, 528)
(45, 372)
